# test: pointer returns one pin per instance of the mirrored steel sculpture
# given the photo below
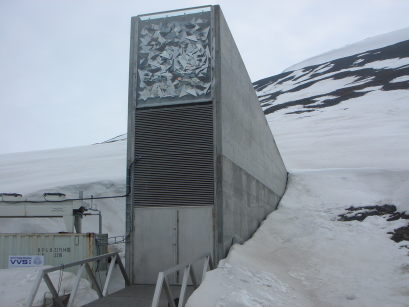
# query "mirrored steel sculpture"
(174, 57)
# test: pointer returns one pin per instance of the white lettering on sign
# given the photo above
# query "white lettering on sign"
(25, 261)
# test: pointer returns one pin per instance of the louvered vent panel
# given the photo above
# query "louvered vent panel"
(176, 149)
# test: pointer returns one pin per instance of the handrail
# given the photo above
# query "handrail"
(188, 269)
(43, 274)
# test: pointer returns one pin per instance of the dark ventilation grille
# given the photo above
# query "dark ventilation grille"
(176, 149)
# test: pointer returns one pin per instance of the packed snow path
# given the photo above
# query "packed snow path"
(303, 256)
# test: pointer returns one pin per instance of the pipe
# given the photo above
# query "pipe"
(99, 213)
(100, 217)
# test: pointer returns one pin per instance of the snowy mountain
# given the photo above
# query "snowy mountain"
(340, 121)
(344, 112)
(368, 44)
(324, 85)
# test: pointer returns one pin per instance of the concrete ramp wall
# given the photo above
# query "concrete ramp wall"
(251, 176)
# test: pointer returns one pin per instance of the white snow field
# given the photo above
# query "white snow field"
(352, 153)
(368, 131)
(97, 170)
(302, 256)
(370, 43)
(16, 284)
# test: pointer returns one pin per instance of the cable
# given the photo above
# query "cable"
(128, 187)
(125, 237)
(98, 268)
(60, 201)
(60, 280)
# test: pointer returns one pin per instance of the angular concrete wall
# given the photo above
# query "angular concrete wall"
(245, 176)
(250, 173)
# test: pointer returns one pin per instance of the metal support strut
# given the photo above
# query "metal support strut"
(43, 274)
(188, 270)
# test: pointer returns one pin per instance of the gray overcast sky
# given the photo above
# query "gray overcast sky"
(64, 63)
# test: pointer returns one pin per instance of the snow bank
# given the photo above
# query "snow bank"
(368, 131)
(113, 211)
(303, 256)
(16, 284)
(370, 43)
(97, 170)
(354, 153)
(28, 172)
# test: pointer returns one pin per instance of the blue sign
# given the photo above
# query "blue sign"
(25, 261)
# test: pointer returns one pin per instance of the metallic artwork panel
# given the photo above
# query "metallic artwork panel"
(174, 58)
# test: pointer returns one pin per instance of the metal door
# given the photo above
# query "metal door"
(167, 236)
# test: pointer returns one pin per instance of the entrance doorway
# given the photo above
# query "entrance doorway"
(167, 236)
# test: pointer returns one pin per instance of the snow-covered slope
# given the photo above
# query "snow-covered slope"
(303, 256)
(342, 129)
(342, 113)
(97, 170)
(29, 172)
(368, 44)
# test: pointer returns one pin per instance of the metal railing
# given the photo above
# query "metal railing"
(188, 270)
(115, 240)
(83, 265)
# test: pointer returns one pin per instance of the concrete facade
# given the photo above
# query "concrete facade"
(249, 173)
(251, 176)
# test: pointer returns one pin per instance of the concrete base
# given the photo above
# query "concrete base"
(137, 296)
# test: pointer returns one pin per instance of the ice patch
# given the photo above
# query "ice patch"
(370, 89)
(400, 79)
(358, 61)
(321, 99)
(388, 64)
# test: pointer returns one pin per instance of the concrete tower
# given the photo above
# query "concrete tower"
(204, 164)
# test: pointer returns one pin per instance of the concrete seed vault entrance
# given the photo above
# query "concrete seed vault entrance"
(204, 166)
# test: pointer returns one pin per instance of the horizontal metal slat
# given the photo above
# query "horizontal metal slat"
(173, 121)
(168, 177)
(176, 111)
(173, 186)
(173, 147)
(160, 204)
(165, 199)
(172, 155)
(176, 149)
(176, 121)
(151, 161)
